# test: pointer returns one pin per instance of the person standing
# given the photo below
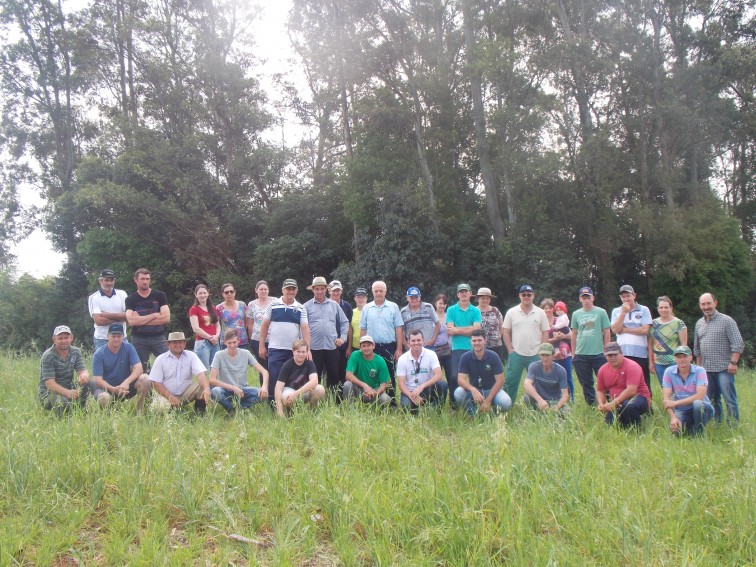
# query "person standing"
(590, 332)
(58, 366)
(442, 346)
(631, 322)
(525, 329)
(232, 314)
(421, 316)
(107, 306)
(329, 329)
(360, 300)
(492, 323)
(382, 320)
(667, 332)
(718, 346)
(462, 319)
(335, 290)
(147, 313)
(204, 321)
(255, 313)
(559, 337)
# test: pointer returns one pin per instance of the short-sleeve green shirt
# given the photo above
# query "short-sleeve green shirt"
(372, 372)
(590, 327)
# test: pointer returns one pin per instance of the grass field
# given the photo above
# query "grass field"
(343, 486)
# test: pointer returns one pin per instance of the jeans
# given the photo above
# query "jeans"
(227, 399)
(586, 365)
(206, 351)
(100, 343)
(451, 379)
(464, 399)
(695, 416)
(629, 412)
(446, 365)
(350, 391)
(276, 359)
(722, 385)
(435, 395)
(516, 364)
(660, 368)
(566, 363)
(643, 363)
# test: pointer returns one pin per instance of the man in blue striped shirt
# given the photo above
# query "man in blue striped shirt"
(684, 387)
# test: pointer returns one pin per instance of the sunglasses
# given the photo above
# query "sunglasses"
(229, 291)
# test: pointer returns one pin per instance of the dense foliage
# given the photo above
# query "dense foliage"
(491, 141)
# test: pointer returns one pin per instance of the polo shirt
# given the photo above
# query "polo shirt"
(527, 329)
(381, 321)
(616, 381)
(633, 345)
(481, 373)
(373, 372)
(285, 323)
(100, 303)
(462, 318)
(424, 319)
(683, 388)
(324, 319)
(175, 373)
(114, 367)
(417, 374)
(62, 370)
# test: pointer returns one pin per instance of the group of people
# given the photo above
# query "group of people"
(300, 351)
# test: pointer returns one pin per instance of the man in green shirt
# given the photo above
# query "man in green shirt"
(367, 375)
(590, 332)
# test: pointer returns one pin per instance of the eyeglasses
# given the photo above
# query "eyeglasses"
(229, 291)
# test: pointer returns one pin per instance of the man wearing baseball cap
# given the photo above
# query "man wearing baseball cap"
(420, 316)
(590, 332)
(631, 323)
(684, 387)
(284, 322)
(462, 319)
(367, 375)
(621, 390)
(56, 374)
(335, 290)
(525, 328)
(546, 383)
(107, 306)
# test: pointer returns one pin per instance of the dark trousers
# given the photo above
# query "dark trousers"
(254, 348)
(342, 364)
(386, 352)
(629, 412)
(327, 360)
(276, 359)
(643, 363)
(586, 365)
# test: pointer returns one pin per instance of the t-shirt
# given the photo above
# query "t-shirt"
(203, 318)
(481, 373)
(147, 306)
(285, 323)
(424, 320)
(62, 370)
(114, 367)
(417, 372)
(462, 318)
(549, 385)
(526, 329)
(233, 370)
(234, 319)
(633, 345)
(101, 303)
(373, 372)
(616, 381)
(590, 327)
(683, 388)
(295, 376)
(665, 338)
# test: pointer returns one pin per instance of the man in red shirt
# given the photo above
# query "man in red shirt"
(622, 379)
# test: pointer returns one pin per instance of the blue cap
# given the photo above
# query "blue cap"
(115, 329)
(526, 287)
(360, 291)
(585, 291)
(413, 292)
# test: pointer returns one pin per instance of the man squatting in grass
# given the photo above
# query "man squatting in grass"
(228, 376)
(684, 387)
(171, 376)
(117, 372)
(298, 379)
(622, 379)
(418, 373)
(367, 375)
(546, 383)
(481, 378)
(57, 367)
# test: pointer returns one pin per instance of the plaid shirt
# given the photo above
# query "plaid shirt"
(716, 340)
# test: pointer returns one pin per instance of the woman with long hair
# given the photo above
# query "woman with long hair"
(204, 322)
(233, 315)
(560, 336)
(442, 346)
(667, 332)
(255, 311)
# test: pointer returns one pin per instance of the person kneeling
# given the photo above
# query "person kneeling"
(480, 378)
(684, 387)
(418, 372)
(298, 379)
(228, 376)
(623, 380)
(367, 375)
(546, 383)
(117, 371)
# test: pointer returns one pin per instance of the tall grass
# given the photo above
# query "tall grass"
(344, 485)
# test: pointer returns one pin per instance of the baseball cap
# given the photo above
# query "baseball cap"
(335, 284)
(115, 329)
(627, 289)
(546, 348)
(367, 339)
(526, 287)
(61, 329)
(683, 350)
(585, 291)
(360, 291)
(413, 292)
(612, 348)
(290, 283)
(107, 273)
(463, 287)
